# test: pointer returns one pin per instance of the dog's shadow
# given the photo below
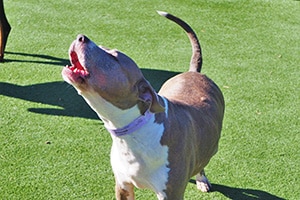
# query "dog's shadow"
(35, 58)
(240, 193)
(60, 94)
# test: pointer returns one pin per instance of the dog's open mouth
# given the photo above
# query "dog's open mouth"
(76, 67)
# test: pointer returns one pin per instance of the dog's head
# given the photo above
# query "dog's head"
(96, 71)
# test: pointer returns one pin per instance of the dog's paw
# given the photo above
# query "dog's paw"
(203, 184)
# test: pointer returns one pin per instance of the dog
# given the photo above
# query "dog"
(4, 31)
(159, 140)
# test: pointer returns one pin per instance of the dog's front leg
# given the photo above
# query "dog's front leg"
(125, 192)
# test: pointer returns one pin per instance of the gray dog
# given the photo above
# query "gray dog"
(160, 140)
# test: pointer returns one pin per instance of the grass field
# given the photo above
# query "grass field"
(52, 146)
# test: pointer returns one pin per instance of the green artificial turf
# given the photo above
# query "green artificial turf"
(52, 146)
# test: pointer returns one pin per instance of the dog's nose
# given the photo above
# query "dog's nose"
(82, 38)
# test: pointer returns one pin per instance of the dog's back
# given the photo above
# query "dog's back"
(192, 88)
(198, 107)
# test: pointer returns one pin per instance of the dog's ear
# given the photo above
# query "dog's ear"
(148, 95)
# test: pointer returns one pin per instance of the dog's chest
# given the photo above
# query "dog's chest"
(139, 158)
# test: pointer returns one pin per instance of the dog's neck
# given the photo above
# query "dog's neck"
(132, 126)
(112, 116)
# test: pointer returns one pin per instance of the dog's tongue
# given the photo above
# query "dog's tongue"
(75, 62)
(76, 67)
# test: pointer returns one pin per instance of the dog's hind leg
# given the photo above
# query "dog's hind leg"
(202, 182)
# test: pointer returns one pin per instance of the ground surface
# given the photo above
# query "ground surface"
(53, 147)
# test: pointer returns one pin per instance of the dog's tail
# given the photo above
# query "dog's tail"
(196, 60)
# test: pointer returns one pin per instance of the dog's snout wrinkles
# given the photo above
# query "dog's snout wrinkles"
(82, 38)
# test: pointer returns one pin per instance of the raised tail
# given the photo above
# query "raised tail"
(196, 60)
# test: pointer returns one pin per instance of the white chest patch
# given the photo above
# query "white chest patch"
(140, 159)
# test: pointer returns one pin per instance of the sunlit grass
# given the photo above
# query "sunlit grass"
(52, 146)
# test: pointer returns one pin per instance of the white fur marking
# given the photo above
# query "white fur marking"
(111, 116)
(139, 158)
(202, 183)
(166, 106)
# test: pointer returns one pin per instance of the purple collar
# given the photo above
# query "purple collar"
(132, 126)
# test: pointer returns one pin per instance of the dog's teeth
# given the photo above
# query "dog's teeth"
(85, 73)
(71, 67)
